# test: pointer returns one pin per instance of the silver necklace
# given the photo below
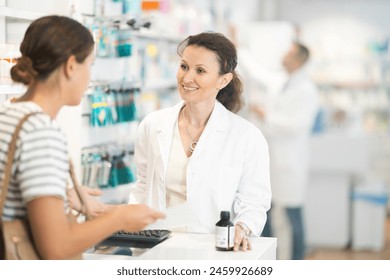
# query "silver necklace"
(194, 142)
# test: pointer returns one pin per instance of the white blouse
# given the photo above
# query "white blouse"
(176, 183)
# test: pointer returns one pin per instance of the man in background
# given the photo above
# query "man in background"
(287, 122)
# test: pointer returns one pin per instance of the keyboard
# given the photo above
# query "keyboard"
(141, 239)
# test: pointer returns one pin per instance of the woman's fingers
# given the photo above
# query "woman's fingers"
(158, 215)
(241, 240)
(91, 191)
(238, 238)
(245, 244)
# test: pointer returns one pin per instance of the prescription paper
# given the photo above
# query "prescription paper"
(176, 217)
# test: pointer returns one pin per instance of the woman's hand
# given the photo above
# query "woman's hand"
(95, 206)
(136, 217)
(241, 237)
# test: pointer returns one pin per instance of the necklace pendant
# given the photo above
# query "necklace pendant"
(193, 146)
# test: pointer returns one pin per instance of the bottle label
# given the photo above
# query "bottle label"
(224, 237)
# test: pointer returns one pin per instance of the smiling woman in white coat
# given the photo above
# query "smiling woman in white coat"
(200, 152)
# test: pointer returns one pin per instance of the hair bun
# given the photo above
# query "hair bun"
(23, 71)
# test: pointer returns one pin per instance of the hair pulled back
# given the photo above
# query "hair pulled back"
(226, 53)
(48, 43)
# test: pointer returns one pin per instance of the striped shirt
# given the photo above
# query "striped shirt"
(40, 166)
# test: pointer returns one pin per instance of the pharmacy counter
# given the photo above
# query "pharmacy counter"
(186, 246)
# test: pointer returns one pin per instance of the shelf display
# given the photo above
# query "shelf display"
(143, 64)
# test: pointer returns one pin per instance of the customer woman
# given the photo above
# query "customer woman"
(200, 151)
(55, 64)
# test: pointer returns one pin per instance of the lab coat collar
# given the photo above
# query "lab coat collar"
(294, 77)
(217, 124)
(165, 132)
(218, 118)
(298, 74)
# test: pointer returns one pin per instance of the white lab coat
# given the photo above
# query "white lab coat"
(288, 125)
(229, 169)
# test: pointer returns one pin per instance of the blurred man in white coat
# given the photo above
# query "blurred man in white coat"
(287, 126)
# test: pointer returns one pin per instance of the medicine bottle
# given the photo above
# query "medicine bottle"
(224, 233)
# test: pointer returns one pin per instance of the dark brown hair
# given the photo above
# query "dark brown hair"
(48, 42)
(224, 49)
(303, 52)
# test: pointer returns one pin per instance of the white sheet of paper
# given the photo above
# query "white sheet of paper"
(176, 217)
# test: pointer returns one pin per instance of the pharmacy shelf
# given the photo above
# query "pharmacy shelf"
(143, 33)
(19, 13)
(156, 37)
(363, 85)
(159, 85)
(7, 89)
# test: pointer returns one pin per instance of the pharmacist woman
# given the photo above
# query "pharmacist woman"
(199, 151)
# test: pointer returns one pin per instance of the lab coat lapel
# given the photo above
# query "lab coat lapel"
(214, 131)
(165, 133)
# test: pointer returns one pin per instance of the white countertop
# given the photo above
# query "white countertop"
(188, 246)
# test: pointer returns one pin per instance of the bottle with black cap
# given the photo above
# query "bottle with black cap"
(224, 233)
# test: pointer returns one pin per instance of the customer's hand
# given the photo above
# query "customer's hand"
(241, 239)
(95, 206)
(137, 216)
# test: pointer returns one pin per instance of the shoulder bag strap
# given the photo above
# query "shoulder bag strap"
(84, 205)
(8, 165)
(8, 168)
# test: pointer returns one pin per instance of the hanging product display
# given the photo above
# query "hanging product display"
(120, 173)
(107, 166)
(100, 112)
(112, 106)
